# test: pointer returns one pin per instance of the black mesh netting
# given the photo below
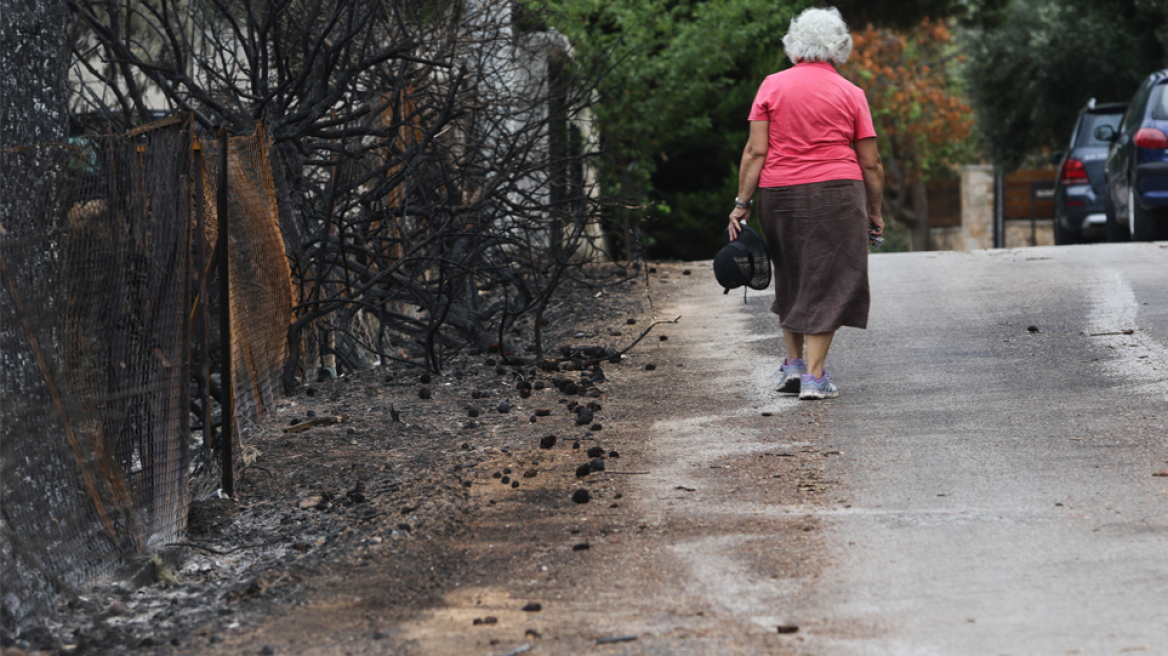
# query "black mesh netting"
(261, 279)
(95, 245)
(98, 306)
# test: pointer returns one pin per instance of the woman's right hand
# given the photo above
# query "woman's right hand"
(739, 214)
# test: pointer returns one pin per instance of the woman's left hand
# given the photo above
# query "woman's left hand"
(875, 225)
(739, 214)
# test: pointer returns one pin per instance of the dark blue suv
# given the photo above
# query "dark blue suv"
(1137, 165)
(1079, 213)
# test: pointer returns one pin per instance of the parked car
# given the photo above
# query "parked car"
(1079, 190)
(1137, 165)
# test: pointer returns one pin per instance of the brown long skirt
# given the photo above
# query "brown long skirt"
(817, 235)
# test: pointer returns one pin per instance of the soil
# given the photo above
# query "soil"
(450, 530)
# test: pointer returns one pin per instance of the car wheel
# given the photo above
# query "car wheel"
(1062, 236)
(1147, 225)
(1115, 233)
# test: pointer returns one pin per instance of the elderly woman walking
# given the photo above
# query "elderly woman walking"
(813, 161)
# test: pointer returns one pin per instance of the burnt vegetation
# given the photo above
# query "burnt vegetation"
(431, 158)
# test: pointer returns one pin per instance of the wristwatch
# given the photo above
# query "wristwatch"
(738, 203)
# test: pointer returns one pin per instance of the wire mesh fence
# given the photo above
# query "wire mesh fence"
(107, 253)
(260, 277)
(95, 249)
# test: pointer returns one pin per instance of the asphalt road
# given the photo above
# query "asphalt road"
(1000, 433)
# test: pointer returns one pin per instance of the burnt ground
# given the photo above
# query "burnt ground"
(432, 533)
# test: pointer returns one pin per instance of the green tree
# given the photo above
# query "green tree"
(1029, 76)
(695, 177)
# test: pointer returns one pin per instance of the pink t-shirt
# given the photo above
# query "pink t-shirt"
(815, 115)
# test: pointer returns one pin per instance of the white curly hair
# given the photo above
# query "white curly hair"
(818, 35)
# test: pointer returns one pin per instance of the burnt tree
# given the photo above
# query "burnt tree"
(430, 161)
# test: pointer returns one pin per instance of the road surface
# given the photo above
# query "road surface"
(999, 427)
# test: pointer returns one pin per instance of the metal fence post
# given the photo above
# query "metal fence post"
(227, 385)
(203, 319)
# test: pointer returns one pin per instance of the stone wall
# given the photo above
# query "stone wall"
(1019, 235)
(946, 239)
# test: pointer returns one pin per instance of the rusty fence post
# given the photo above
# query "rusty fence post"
(227, 385)
(203, 318)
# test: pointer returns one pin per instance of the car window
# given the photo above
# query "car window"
(1086, 134)
(1160, 103)
(1135, 111)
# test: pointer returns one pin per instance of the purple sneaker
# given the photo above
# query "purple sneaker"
(790, 373)
(812, 388)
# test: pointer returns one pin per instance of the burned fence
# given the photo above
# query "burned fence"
(106, 253)
(260, 287)
(95, 253)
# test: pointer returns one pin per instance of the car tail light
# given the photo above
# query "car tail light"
(1073, 173)
(1151, 138)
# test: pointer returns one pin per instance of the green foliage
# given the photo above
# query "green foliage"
(698, 176)
(1029, 77)
(670, 59)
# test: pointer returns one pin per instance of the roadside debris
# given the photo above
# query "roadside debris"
(310, 423)
(614, 639)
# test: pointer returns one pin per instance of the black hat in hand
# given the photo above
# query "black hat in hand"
(743, 261)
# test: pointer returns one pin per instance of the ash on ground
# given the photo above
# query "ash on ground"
(365, 490)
